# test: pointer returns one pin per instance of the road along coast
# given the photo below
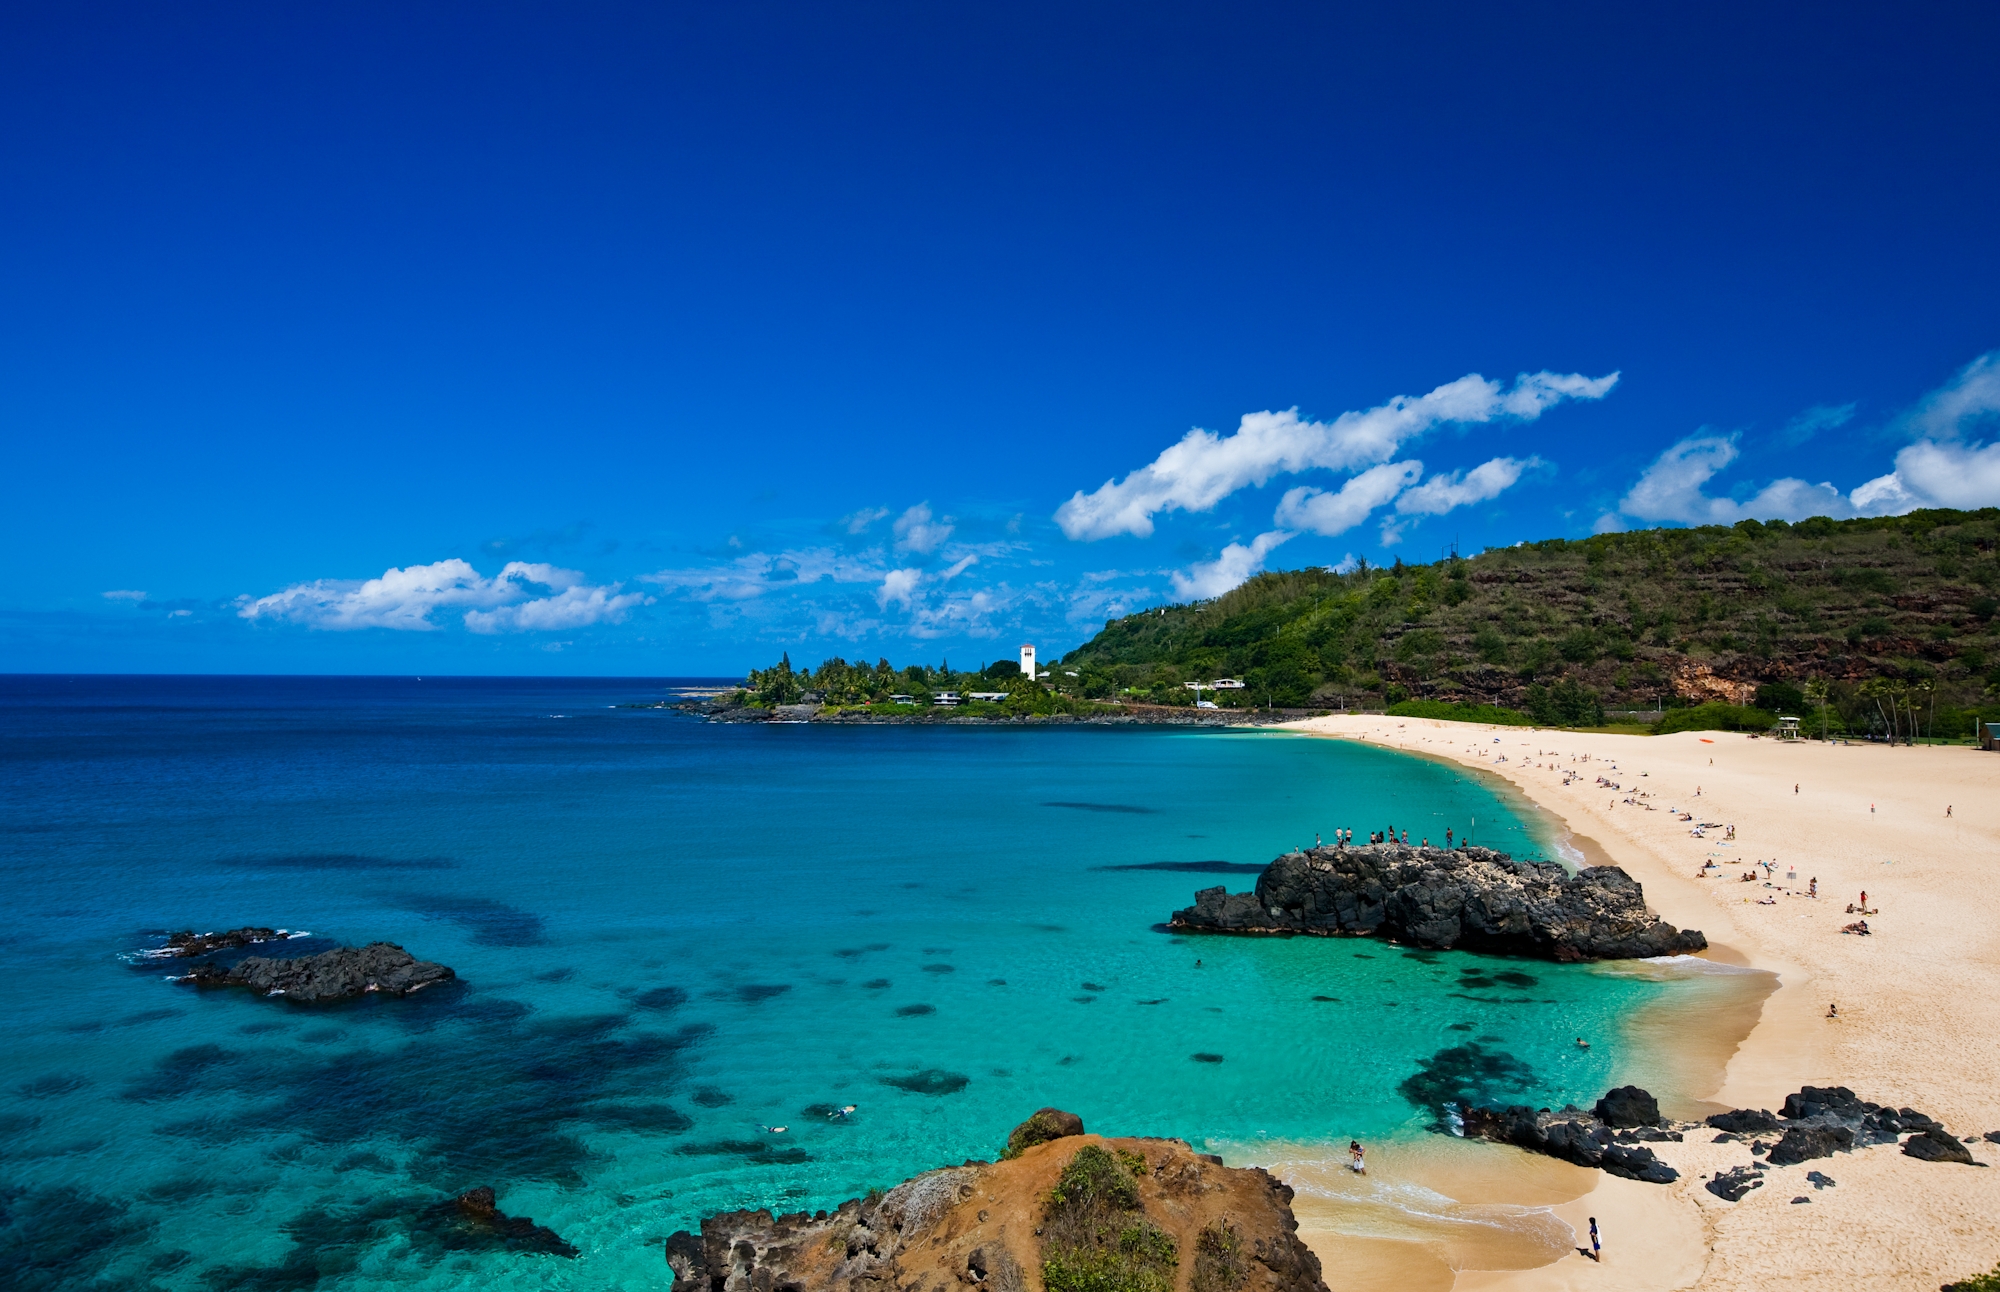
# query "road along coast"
(1917, 1019)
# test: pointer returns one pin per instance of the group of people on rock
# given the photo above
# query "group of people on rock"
(1345, 838)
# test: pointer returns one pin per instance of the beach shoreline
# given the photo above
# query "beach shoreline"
(1919, 1004)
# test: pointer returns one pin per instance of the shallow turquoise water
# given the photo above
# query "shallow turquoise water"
(673, 934)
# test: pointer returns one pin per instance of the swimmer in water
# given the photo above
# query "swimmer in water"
(772, 1130)
(848, 1111)
(1582, 1044)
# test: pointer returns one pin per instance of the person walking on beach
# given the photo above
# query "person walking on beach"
(1596, 1242)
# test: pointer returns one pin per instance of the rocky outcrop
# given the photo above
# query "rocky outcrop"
(983, 1225)
(188, 943)
(1046, 1124)
(1936, 1146)
(1584, 1138)
(379, 967)
(1439, 898)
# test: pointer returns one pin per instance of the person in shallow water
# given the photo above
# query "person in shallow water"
(1357, 1158)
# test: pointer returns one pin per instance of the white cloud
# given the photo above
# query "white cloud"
(898, 587)
(1820, 417)
(1944, 467)
(1328, 514)
(858, 522)
(1204, 468)
(1237, 563)
(1439, 494)
(571, 608)
(406, 599)
(124, 594)
(957, 568)
(756, 573)
(916, 532)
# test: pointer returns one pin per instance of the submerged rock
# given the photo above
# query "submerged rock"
(988, 1225)
(472, 1221)
(1472, 898)
(380, 967)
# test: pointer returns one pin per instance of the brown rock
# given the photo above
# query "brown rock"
(1047, 1124)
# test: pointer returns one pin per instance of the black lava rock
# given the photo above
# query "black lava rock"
(1744, 1121)
(380, 967)
(1936, 1146)
(1804, 1143)
(1628, 1106)
(1439, 898)
(1572, 1135)
(1731, 1185)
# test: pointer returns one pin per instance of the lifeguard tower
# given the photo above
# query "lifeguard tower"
(1028, 662)
(1788, 729)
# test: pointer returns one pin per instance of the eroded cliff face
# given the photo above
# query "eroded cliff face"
(994, 1225)
(1474, 898)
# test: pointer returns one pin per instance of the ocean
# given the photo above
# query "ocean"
(672, 937)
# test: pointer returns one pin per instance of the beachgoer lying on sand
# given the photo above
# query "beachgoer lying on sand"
(1833, 1011)
(1859, 926)
(1767, 901)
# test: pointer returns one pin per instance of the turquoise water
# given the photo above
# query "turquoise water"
(673, 934)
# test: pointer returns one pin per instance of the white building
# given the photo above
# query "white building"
(1028, 662)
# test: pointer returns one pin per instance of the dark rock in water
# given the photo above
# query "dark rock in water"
(988, 1226)
(380, 967)
(1572, 1135)
(190, 943)
(931, 1081)
(1804, 1143)
(1936, 1146)
(1745, 1121)
(472, 1221)
(1046, 1124)
(1731, 1185)
(1438, 898)
(1628, 1106)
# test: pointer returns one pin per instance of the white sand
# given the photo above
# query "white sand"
(1919, 1000)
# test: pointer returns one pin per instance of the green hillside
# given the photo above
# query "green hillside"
(1894, 616)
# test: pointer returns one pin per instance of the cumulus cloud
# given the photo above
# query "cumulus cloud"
(1237, 563)
(899, 587)
(1328, 514)
(1945, 466)
(524, 596)
(756, 573)
(917, 532)
(1440, 494)
(1204, 468)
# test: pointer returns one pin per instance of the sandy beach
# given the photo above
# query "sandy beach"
(1918, 1025)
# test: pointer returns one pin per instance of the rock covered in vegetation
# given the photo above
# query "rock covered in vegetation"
(1046, 1124)
(1439, 898)
(1118, 1215)
(344, 972)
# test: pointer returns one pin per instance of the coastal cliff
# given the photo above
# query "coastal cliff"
(1062, 1212)
(1439, 898)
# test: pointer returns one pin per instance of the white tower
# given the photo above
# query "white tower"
(1028, 662)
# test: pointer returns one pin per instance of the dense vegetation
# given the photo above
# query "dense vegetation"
(1879, 625)
(1095, 1235)
(1876, 624)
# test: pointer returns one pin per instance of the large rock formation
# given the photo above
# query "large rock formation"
(1609, 1138)
(1474, 898)
(989, 1224)
(380, 967)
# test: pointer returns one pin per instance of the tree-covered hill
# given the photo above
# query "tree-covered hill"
(1891, 614)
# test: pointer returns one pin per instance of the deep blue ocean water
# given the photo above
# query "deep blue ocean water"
(672, 935)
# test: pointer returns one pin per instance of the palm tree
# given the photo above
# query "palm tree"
(1817, 694)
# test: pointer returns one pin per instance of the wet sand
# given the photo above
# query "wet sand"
(1919, 1021)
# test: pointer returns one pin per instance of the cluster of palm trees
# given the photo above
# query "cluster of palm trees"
(1904, 706)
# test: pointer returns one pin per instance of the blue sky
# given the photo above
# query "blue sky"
(658, 339)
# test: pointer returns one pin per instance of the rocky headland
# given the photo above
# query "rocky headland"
(1082, 1212)
(379, 967)
(1441, 898)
